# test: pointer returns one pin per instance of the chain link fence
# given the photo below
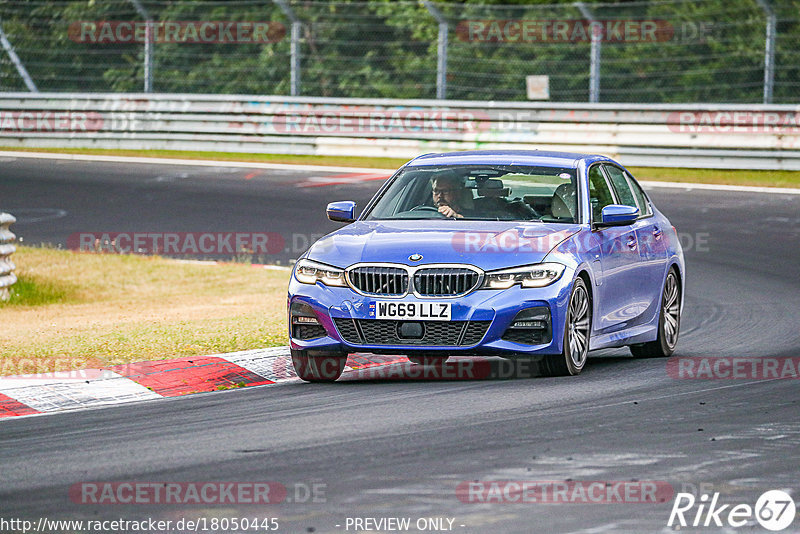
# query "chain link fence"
(658, 51)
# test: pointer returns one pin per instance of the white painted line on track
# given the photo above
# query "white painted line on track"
(719, 187)
(8, 383)
(192, 162)
(212, 263)
(344, 179)
(84, 389)
(331, 168)
(273, 363)
(66, 395)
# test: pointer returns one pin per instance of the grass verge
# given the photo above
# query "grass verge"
(73, 310)
(707, 176)
(719, 176)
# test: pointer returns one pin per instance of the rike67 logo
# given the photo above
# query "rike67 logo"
(774, 510)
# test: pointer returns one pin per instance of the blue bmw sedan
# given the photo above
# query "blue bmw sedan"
(517, 254)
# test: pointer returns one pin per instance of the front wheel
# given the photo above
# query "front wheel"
(577, 326)
(325, 368)
(669, 323)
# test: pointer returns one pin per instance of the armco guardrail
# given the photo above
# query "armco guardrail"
(7, 276)
(667, 135)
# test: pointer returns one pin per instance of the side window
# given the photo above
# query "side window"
(621, 186)
(644, 205)
(599, 194)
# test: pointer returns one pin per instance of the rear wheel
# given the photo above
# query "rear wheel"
(428, 360)
(669, 322)
(325, 368)
(576, 335)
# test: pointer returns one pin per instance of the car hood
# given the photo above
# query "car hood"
(486, 244)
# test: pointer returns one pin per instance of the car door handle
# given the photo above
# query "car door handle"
(657, 232)
(631, 242)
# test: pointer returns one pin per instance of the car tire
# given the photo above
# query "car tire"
(326, 368)
(669, 322)
(577, 328)
(428, 360)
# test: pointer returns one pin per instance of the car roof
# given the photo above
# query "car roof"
(506, 157)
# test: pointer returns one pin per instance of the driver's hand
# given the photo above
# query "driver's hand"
(447, 211)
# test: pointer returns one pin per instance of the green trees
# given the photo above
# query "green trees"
(705, 50)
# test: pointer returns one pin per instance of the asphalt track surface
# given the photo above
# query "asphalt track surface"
(399, 448)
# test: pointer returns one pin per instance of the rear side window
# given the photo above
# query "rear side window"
(621, 186)
(641, 198)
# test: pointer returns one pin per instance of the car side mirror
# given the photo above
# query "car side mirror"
(618, 215)
(341, 211)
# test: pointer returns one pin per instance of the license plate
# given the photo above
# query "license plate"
(428, 311)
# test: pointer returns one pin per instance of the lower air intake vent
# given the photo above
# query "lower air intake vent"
(434, 333)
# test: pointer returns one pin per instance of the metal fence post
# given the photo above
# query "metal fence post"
(594, 62)
(297, 27)
(441, 62)
(12, 54)
(148, 45)
(769, 50)
(7, 276)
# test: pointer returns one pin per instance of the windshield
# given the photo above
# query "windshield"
(481, 192)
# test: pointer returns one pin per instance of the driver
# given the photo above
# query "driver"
(450, 196)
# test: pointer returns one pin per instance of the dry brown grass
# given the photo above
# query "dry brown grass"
(75, 310)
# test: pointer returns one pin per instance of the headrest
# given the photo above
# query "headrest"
(564, 202)
(493, 188)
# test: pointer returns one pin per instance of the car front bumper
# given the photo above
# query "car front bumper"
(479, 321)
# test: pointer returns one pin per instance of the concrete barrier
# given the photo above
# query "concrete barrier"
(724, 136)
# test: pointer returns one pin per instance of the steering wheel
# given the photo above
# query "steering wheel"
(409, 214)
(425, 208)
(432, 209)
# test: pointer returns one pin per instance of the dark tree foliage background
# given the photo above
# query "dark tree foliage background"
(382, 48)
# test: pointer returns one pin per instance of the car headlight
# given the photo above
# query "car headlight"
(311, 272)
(538, 275)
